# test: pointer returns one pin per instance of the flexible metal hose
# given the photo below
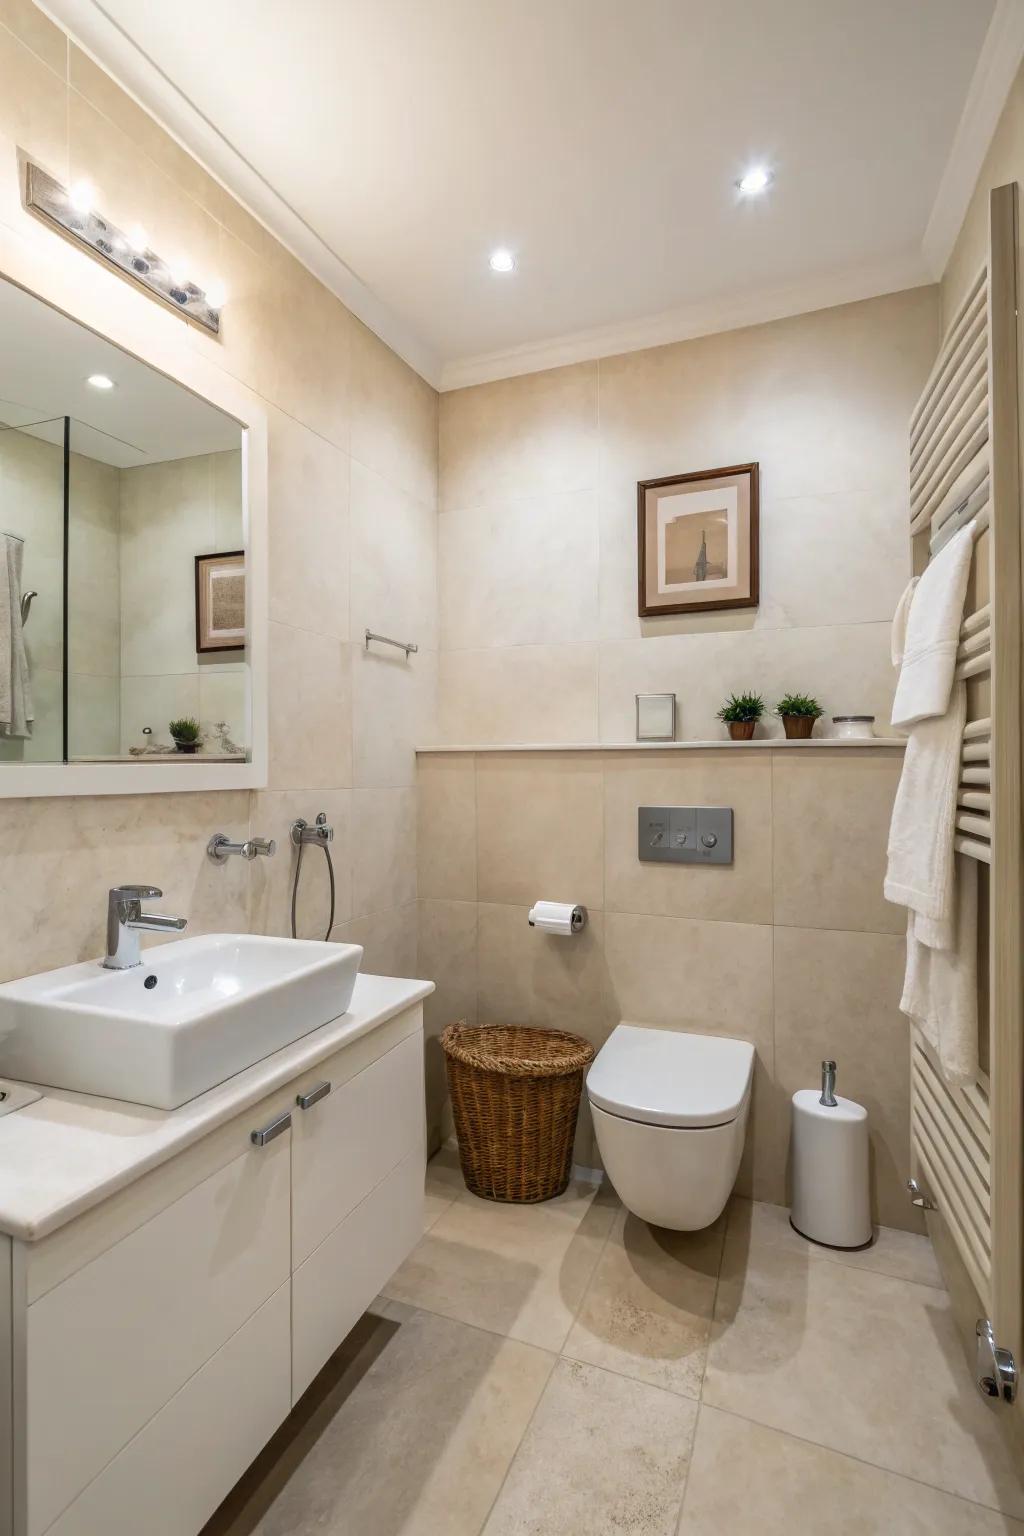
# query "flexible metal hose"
(295, 886)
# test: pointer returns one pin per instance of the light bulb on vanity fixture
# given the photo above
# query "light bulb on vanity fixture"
(755, 181)
(82, 197)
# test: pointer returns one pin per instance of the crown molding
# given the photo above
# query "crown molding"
(728, 313)
(98, 35)
(994, 74)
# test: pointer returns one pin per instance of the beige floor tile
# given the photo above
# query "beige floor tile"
(444, 1185)
(417, 1444)
(861, 1363)
(519, 1270)
(787, 1486)
(904, 1255)
(603, 1454)
(647, 1311)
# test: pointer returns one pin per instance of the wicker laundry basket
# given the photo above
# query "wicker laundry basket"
(515, 1098)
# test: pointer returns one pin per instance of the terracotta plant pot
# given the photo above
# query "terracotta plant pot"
(798, 727)
(741, 730)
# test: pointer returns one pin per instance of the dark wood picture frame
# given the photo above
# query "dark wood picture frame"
(645, 609)
(200, 561)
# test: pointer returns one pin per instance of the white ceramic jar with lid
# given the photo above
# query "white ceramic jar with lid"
(854, 727)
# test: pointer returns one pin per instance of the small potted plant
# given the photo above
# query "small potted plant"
(185, 734)
(741, 712)
(798, 712)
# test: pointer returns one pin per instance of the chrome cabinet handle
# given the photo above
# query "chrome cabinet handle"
(272, 1131)
(307, 1100)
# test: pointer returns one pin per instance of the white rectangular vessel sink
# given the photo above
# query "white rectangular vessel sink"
(192, 1014)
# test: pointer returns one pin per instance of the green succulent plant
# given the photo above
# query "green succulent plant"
(799, 704)
(185, 729)
(742, 706)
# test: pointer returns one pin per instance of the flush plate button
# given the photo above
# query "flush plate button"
(693, 834)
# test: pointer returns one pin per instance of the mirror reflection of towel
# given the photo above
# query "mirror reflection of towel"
(15, 690)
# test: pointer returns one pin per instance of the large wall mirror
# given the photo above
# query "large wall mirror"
(124, 551)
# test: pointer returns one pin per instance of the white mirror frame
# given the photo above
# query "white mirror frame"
(52, 271)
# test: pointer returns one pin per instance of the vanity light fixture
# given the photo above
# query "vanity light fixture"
(502, 261)
(72, 212)
(755, 181)
(100, 381)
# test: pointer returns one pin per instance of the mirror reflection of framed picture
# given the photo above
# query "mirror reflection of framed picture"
(220, 601)
(697, 541)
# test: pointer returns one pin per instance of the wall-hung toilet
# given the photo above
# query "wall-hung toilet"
(670, 1116)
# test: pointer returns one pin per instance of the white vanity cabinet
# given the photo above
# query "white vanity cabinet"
(159, 1339)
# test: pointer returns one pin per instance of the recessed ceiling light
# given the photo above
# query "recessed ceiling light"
(502, 261)
(755, 181)
(100, 381)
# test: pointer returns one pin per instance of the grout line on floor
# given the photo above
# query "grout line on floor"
(678, 1527)
(875, 1466)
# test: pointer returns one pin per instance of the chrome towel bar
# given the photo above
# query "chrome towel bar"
(400, 645)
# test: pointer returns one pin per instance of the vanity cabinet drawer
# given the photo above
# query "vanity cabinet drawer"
(337, 1283)
(345, 1142)
(170, 1478)
(108, 1347)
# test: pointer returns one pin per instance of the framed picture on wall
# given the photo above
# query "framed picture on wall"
(697, 541)
(220, 601)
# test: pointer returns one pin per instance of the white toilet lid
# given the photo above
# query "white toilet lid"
(664, 1077)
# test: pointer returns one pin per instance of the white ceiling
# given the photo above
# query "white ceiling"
(394, 143)
(45, 361)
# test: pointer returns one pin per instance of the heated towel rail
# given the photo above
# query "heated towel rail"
(964, 466)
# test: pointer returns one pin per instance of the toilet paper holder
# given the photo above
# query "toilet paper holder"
(557, 917)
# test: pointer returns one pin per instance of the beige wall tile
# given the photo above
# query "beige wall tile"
(740, 892)
(446, 826)
(837, 995)
(846, 667)
(394, 712)
(310, 702)
(383, 850)
(519, 436)
(273, 812)
(820, 400)
(388, 940)
(31, 27)
(61, 856)
(540, 828)
(519, 573)
(308, 518)
(837, 557)
(447, 957)
(394, 418)
(830, 824)
(394, 562)
(33, 101)
(528, 693)
(526, 977)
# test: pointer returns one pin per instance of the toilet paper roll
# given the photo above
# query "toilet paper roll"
(559, 917)
(831, 1203)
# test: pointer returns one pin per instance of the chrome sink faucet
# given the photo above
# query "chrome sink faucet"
(125, 919)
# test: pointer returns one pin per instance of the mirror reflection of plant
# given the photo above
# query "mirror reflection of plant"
(185, 729)
(799, 704)
(742, 706)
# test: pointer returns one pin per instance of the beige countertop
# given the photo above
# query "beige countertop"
(65, 1152)
(773, 743)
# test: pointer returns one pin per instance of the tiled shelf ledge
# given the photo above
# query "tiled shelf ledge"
(773, 743)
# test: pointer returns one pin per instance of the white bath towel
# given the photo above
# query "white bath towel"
(919, 874)
(932, 633)
(15, 689)
(940, 991)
